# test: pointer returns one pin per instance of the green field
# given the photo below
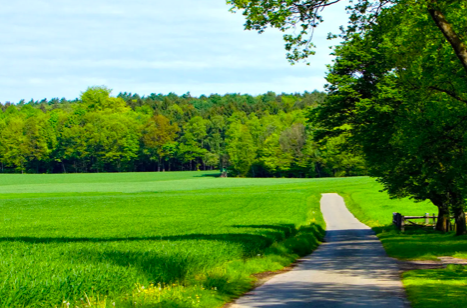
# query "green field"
(168, 239)
(181, 239)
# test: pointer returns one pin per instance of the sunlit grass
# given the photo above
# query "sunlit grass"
(107, 241)
(437, 288)
(186, 239)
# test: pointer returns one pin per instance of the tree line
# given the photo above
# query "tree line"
(260, 136)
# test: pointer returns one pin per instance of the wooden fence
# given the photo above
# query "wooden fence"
(401, 222)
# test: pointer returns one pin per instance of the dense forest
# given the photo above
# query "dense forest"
(261, 136)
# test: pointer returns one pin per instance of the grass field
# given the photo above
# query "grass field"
(148, 239)
(425, 288)
(186, 239)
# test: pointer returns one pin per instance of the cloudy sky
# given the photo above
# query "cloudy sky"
(57, 48)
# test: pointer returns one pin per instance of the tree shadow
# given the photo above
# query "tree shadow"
(159, 267)
(286, 229)
(251, 242)
(264, 236)
(215, 175)
(350, 269)
(296, 294)
(416, 243)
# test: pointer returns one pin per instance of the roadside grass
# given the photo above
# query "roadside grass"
(425, 288)
(149, 240)
(437, 288)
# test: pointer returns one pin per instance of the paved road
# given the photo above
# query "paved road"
(349, 270)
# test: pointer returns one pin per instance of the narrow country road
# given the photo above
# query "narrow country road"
(350, 270)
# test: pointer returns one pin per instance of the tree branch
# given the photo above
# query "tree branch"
(450, 93)
(448, 31)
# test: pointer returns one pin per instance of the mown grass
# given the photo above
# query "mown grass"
(149, 240)
(425, 288)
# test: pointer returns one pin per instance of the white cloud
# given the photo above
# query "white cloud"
(56, 48)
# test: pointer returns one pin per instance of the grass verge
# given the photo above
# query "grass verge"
(425, 288)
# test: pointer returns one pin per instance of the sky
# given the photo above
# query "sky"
(58, 48)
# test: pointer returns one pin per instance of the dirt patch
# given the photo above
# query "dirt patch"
(429, 264)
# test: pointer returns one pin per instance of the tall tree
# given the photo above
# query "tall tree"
(404, 110)
(157, 133)
(240, 148)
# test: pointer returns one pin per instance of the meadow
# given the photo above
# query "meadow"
(185, 239)
(182, 239)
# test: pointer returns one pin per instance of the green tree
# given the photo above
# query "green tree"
(13, 143)
(156, 134)
(71, 141)
(240, 148)
(100, 133)
(189, 150)
(403, 110)
(40, 140)
(99, 99)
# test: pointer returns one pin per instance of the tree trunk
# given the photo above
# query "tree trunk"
(446, 28)
(318, 170)
(443, 219)
(443, 212)
(459, 216)
(457, 204)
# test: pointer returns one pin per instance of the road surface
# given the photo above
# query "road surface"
(349, 270)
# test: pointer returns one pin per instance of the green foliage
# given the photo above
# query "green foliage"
(100, 133)
(157, 135)
(398, 89)
(98, 99)
(397, 93)
(298, 19)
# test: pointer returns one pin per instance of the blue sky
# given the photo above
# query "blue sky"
(57, 48)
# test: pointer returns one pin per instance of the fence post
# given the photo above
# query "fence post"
(434, 221)
(427, 218)
(402, 223)
(396, 220)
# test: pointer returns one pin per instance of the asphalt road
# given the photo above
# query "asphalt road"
(349, 270)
